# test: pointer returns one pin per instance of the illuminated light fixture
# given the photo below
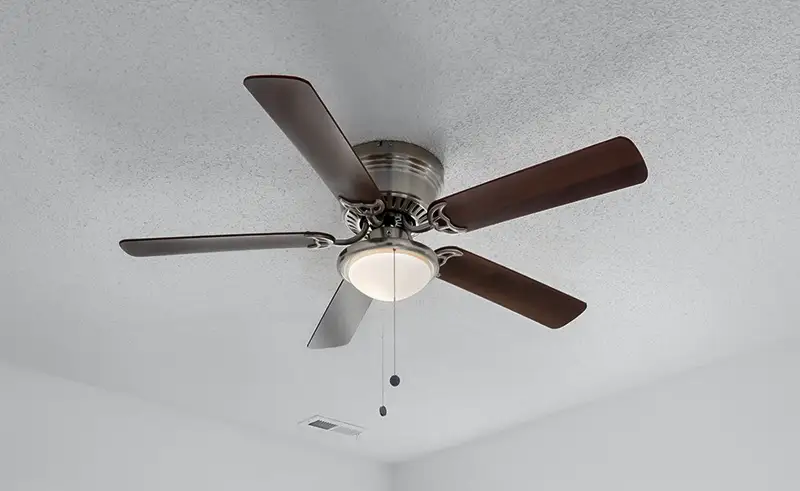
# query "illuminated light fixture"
(371, 266)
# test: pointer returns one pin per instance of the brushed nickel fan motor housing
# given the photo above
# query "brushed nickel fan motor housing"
(408, 176)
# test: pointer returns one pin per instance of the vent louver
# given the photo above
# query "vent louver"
(332, 426)
(322, 425)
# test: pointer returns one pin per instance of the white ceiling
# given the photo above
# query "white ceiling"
(122, 119)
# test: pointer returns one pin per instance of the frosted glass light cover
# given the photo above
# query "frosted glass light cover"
(371, 273)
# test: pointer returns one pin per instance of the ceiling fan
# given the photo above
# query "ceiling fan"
(388, 191)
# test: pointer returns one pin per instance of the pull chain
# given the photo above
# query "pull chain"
(382, 409)
(394, 310)
(394, 380)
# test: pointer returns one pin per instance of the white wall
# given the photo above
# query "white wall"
(733, 426)
(58, 436)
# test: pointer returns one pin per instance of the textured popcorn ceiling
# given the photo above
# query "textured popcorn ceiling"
(121, 119)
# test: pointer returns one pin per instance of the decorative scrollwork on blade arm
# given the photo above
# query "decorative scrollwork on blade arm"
(441, 222)
(447, 253)
(321, 241)
(364, 209)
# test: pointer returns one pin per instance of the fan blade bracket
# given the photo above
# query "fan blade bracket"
(321, 240)
(370, 211)
(441, 222)
(446, 253)
(363, 209)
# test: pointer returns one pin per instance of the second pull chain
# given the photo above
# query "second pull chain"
(394, 380)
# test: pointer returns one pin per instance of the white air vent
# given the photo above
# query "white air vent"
(322, 423)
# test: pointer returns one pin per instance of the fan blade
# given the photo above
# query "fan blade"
(341, 319)
(595, 170)
(510, 289)
(299, 112)
(169, 246)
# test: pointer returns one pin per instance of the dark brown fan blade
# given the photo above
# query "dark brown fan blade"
(341, 319)
(169, 246)
(510, 289)
(297, 109)
(595, 170)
